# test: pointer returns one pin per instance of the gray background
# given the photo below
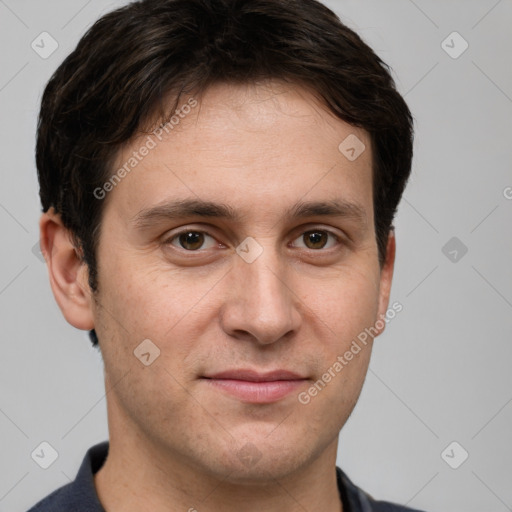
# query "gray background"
(441, 371)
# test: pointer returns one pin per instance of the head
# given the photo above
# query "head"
(220, 177)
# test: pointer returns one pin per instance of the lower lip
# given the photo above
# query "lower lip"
(257, 392)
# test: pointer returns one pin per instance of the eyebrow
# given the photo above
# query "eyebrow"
(184, 208)
(334, 208)
(198, 208)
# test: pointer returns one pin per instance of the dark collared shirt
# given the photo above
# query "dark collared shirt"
(80, 495)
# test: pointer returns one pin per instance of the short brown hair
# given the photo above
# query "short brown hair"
(116, 80)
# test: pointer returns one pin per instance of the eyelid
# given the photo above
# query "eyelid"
(340, 240)
(169, 239)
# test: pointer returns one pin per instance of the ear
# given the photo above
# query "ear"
(68, 273)
(386, 278)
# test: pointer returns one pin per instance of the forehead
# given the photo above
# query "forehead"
(254, 146)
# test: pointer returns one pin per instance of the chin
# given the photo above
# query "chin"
(261, 458)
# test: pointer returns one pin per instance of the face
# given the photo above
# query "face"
(243, 247)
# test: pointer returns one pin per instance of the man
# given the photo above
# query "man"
(219, 180)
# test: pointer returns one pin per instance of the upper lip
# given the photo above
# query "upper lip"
(255, 376)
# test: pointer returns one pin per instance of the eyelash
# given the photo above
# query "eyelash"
(176, 236)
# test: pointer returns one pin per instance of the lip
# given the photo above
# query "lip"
(256, 387)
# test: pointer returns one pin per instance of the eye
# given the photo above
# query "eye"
(317, 239)
(192, 240)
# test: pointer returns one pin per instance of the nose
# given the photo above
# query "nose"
(260, 304)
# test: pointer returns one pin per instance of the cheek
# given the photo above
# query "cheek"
(152, 299)
(343, 309)
(346, 303)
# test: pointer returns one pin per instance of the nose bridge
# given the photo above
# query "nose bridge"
(262, 304)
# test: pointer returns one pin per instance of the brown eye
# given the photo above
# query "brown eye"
(316, 239)
(192, 240)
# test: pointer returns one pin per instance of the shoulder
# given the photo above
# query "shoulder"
(357, 500)
(57, 500)
(79, 495)
(386, 506)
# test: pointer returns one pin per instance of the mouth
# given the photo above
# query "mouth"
(256, 387)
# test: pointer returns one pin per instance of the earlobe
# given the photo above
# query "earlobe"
(386, 278)
(67, 272)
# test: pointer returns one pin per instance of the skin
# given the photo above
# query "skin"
(175, 440)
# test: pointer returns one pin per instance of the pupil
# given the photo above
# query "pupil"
(191, 240)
